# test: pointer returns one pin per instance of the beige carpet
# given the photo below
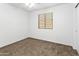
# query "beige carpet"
(36, 47)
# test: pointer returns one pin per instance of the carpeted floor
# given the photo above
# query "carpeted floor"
(36, 47)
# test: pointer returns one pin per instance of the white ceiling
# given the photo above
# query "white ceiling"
(37, 6)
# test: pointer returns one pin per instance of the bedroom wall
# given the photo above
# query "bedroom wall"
(13, 24)
(77, 29)
(62, 31)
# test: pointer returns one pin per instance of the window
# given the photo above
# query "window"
(45, 21)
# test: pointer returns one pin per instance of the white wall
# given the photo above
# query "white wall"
(13, 24)
(77, 28)
(62, 31)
